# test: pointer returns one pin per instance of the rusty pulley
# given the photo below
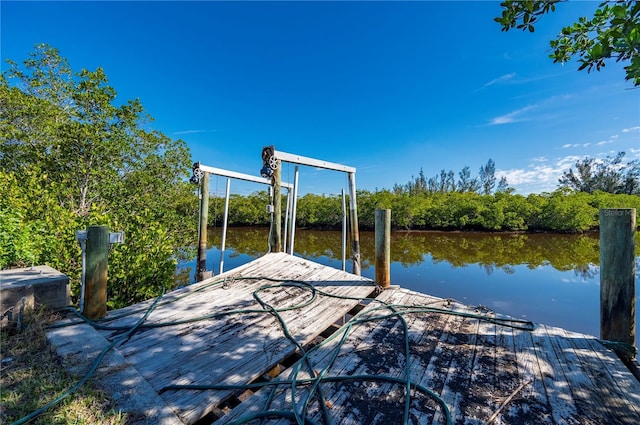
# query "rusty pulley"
(269, 162)
(197, 173)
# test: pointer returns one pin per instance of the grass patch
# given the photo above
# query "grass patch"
(32, 375)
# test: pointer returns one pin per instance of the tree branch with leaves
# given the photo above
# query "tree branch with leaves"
(612, 33)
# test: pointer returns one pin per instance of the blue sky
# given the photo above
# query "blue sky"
(386, 87)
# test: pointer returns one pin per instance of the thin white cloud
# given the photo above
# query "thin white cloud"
(567, 162)
(520, 176)
(604, 142)
(516, 115)
(500, 79)
(544, 177)
(628, 130)
(513, 78)
(513, 116)
(540, 159)
(587, 144)
(183, 132)
(615, 136)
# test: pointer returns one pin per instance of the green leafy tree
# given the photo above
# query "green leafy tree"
(612, 33)
(516, 210)
(569, 213)
(319, 211)
(487, 175)
(445, 182)
(417, 184)
(503, 185)
(66, 140)
(248, 210)
(466, 183)
(32, 223)
(609, 175)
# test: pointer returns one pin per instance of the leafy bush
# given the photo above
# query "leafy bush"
(71, 157)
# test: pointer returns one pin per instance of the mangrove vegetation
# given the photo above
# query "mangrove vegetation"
(73, 156)
(562, 211)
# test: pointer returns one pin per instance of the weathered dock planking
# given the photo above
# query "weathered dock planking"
(485, 372)
(239, 347)
(464, 364)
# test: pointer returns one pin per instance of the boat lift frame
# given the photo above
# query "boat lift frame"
(198, 171)
(272, 158)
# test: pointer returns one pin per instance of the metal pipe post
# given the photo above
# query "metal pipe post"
(354, 224)
(344, 232)
(285, 240)
(224, 225)
(292, 233)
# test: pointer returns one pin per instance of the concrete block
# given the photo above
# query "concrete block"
(80, 345)
(38, 286)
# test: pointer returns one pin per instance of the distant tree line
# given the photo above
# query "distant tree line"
(443, 202)
(562, 211)
(446, 182)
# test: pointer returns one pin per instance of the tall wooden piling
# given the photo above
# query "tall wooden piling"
(275, 234)
(617, 276)
(97, 247)
(383, 250)
(355, 235)
(201, 266)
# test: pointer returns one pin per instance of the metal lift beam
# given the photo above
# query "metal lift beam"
(240, 176)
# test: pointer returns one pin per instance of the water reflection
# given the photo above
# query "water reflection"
(552, 279)
(492, 252)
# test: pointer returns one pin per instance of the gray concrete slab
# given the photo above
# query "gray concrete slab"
(79, 345)
(30, 287)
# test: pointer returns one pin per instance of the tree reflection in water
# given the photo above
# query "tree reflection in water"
(548, 278)
(491, 251)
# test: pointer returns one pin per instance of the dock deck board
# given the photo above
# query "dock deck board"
(482, 370)
(235, 348)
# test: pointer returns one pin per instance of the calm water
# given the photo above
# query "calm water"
(550, 279)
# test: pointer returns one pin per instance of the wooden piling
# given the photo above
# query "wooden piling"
(201, 266)
(275, 234)
(383, 250)
(617, 276)
(355, 235)
(97, 247)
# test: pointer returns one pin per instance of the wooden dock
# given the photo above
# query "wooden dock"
(291, 340)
